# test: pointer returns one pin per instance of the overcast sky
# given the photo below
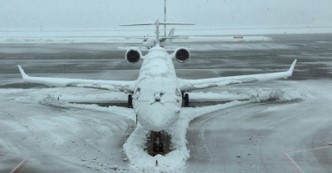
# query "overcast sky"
(109, 13)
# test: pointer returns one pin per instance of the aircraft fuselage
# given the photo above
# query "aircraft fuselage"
(157, 98)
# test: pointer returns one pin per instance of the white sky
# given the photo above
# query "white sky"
(109, 13)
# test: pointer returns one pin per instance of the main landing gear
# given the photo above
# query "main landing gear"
(130, 101)
(185, 99)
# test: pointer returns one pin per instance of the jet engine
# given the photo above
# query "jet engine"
(181, 54)
(133, 55)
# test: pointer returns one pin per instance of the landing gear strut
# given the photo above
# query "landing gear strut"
(158, 143)
(130, 101)
(185, 97)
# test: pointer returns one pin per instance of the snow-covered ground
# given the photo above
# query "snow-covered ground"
(267, 137)
(86, 137)
(58, 139)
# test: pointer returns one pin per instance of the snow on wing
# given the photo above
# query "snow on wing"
(193, 84)
(63, 82)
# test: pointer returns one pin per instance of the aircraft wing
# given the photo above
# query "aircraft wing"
(87, 83)
(187, 85)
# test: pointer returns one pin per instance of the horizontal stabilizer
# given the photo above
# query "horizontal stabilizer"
(160, 23)
(170, 23)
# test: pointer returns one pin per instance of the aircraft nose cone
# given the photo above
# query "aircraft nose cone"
(157, 123)
(158, 117)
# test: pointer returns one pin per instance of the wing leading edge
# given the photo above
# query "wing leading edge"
(187, 85)
(63, 82)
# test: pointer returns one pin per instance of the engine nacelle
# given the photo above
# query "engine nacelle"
(133, 55)
(181, 54)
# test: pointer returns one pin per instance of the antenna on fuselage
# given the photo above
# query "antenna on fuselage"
(164, 18)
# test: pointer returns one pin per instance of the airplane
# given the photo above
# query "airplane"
(157, 96)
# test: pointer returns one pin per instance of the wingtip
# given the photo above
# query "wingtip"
(23, 74)
(291, 69)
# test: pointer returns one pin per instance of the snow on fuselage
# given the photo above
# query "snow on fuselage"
(151, 42)
(157, 98)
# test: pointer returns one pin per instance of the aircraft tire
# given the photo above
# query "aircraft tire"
(130, 101)
(186, 100)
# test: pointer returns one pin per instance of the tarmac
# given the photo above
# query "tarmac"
(293, 136)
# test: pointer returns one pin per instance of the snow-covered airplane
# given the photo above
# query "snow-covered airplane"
(158, 95)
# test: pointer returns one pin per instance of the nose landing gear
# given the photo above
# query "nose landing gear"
(158, 143)
(130, 101)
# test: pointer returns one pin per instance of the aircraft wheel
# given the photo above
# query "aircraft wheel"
(130, 101)
(186, 100)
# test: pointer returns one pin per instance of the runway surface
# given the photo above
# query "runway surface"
(270, 136)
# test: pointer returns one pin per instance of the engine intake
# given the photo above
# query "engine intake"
(133, 55)
(182, 54)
